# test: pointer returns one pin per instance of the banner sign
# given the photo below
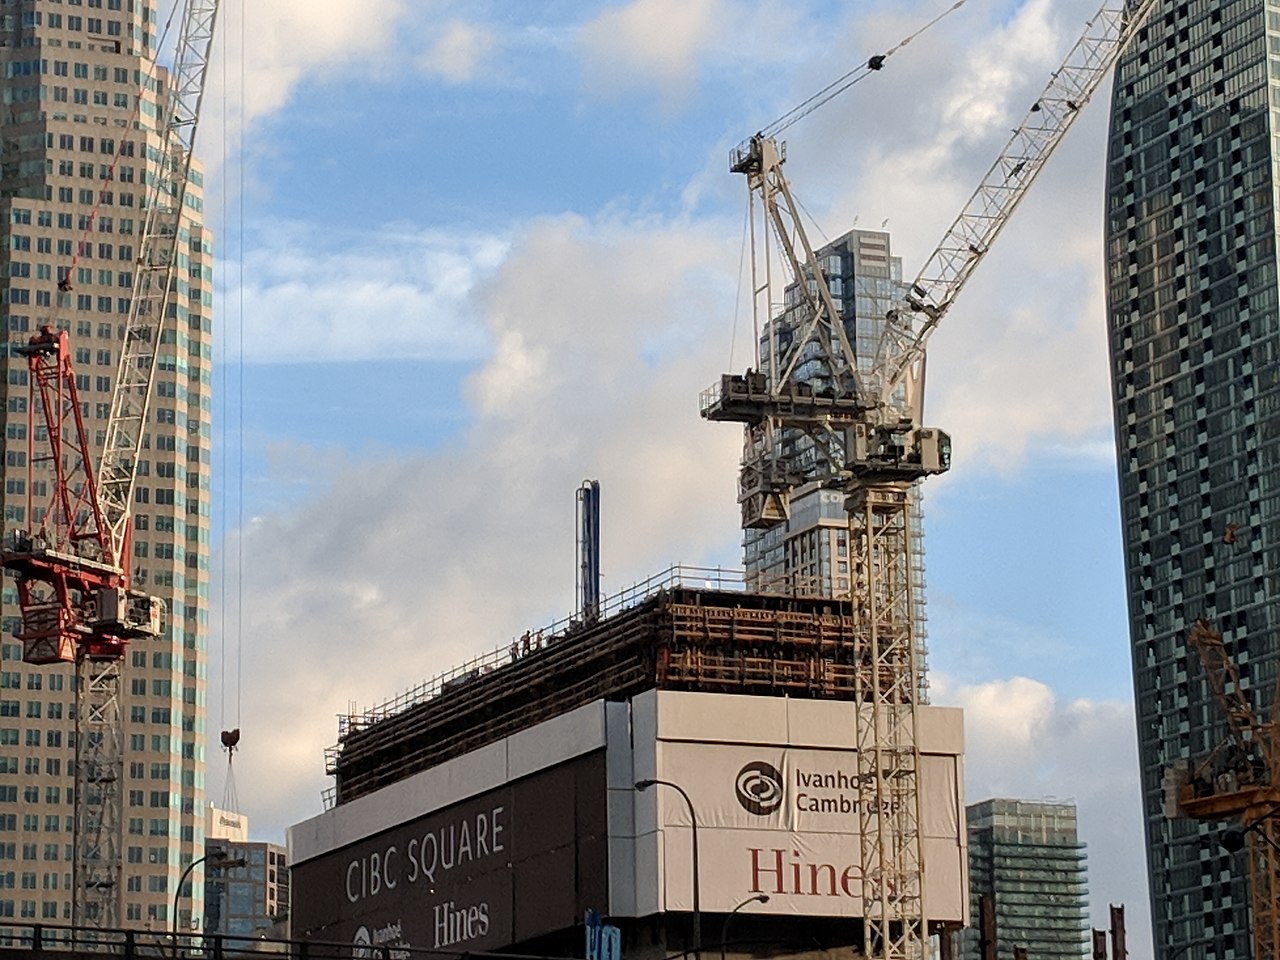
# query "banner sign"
(784, 821)
(504, 866)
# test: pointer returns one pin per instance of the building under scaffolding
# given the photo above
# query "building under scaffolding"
(680, 637)
(493, 806)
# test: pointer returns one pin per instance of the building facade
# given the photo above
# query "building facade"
(1028, 858)
(809, 551)
(246, 891)
(1194, 334)
(78, 140)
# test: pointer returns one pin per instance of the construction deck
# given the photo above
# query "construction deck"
(679, 638)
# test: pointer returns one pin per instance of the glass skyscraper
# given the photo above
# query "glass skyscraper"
(1028, 858)
(808, 553)
(1194, 334)
(78, 147)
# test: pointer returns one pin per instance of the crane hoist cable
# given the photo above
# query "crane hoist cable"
(233, 589)
(838, 86)
(65, 283)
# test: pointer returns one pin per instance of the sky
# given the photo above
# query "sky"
(472, 253)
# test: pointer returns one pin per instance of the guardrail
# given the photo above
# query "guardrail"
(154, 945)
(677, 575)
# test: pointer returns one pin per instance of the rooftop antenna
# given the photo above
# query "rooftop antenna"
(588, 526)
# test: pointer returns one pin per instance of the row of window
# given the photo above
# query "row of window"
(90, 25)
(31, 822)
(51, 880)
(31, 794)
(39, 66)
(49, 909)
(12, 679)
(13, 708)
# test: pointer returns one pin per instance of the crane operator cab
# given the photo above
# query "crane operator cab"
(893, 453)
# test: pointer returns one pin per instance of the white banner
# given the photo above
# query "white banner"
(784, 822)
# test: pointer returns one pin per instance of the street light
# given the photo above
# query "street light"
(642, 785)
(1187, 946)
(724, 931)
(218, 863)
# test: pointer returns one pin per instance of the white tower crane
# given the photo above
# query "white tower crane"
(72, 570)
(866, 437)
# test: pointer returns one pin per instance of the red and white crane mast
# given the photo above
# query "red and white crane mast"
(72, 566)
(864, 433)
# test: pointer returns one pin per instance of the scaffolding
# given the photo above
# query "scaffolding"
(686, 633)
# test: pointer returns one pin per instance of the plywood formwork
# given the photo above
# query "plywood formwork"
(681, 638)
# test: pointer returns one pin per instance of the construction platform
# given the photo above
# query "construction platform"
(688, 629)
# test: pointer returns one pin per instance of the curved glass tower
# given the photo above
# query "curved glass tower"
(1195, 339)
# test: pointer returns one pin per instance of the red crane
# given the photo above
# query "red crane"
(73, 586)
(71, 564)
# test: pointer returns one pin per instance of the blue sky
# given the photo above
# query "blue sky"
(472, 253)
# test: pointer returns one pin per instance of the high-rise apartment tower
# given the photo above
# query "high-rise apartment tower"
(1027, 856)
(78, 142)
(1195, 338)
(809, 552)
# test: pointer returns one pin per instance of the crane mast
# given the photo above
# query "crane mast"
(813, 410)
(72, 568)
(1239, 781)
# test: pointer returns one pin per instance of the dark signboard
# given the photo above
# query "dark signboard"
(517, 862)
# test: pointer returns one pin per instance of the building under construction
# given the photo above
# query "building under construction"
(491, 808)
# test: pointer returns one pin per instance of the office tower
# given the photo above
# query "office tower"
(1027, 857)
(77, 145)
(247, 886)
(1195, 337)
(808, 553)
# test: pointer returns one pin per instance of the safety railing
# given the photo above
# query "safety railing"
(678, 575)
(45, 939)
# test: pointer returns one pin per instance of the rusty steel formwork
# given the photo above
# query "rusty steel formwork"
(678, 639)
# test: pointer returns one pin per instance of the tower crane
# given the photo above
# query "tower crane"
(813, 410)
(1239, 781)
(72, 566)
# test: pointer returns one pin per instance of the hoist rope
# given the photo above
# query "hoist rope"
(843, 83)
(65, 281)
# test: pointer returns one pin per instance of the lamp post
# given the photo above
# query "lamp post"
(724, 931)
(1187, 946)
(217, 863)
(642, 785)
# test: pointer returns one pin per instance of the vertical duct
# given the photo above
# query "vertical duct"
(588, 593)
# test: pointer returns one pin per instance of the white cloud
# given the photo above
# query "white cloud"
(1023, 742)
(649, 41)
(599, 332)
(663, 46)
(284, 41)
(402, 567)
(460, 51)
(1020, 362)
(399, 292)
